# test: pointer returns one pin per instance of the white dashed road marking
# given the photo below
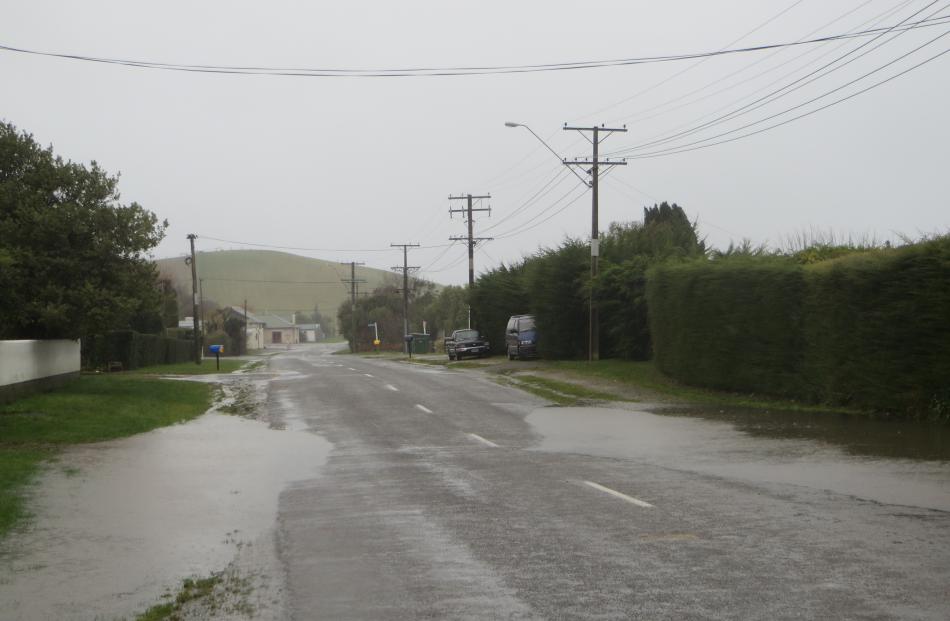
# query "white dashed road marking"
(351, 368)
(477, 437)
(367, 375)
(616, 494)
(391, 387)
(423, 408)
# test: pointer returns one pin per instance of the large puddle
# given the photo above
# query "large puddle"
(120, 522)
(767, 449)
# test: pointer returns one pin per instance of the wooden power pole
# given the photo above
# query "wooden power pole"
(594, 165)
(470, 239)
(194, 296)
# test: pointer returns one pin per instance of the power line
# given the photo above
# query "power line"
(781, 92)
(685, 147)
(800, 116)
(664, 108)
(524, 227)
(692, 66)
(278, 282)
(260, 245)
(423, 71)
(545, 189)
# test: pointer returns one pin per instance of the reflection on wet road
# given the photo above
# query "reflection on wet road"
(776, 450)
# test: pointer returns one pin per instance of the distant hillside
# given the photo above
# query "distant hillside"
(269, 281)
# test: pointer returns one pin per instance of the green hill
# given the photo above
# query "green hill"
(270, 281)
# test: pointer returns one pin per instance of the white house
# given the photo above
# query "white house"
(254, 330)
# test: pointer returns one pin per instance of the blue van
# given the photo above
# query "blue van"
(521, 337)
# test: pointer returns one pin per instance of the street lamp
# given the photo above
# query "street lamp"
(561, 159)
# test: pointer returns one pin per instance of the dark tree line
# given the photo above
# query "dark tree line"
(73, 259)
(554, 284)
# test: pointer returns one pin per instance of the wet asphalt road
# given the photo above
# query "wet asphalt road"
(440, 501)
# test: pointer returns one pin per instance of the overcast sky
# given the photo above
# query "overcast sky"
(360, 163)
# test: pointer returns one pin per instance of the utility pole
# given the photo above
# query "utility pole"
(244, 340)
(405, 288)
(595, 163)
(468, 210)
(194, 296)
(354, 287)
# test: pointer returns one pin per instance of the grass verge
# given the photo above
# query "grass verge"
(190, 368)
(568, 389)
(645, 376)
(91, 408)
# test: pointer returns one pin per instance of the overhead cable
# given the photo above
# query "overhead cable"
(435, 71)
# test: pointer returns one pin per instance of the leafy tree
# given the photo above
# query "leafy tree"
(384, 306)
(628, 251)
(446, 311)
(72, 258)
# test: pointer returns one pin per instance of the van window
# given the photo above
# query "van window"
(525, 323)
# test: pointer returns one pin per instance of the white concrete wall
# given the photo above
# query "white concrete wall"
(24, 361)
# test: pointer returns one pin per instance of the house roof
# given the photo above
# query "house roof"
(251, 318)
(275, 321)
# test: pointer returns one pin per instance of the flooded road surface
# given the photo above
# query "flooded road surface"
(117, 523)
(892, 462)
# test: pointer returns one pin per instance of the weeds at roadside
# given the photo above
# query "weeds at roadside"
(221, 593)
(239, 400)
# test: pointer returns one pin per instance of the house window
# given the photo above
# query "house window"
(275, 337)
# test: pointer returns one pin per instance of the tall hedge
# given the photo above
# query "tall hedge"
(870, 330)
(731, 325)
(878, 330)
(134, 350)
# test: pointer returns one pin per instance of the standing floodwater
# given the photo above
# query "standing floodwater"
(117, 523)
(888, 461)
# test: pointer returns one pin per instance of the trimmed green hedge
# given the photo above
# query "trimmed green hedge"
(870, 330)
(732, 325)
(134, 350)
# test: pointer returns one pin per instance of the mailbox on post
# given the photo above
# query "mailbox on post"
(216, 350)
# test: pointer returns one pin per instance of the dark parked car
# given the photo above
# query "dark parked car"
(521, 337)
(465, 343)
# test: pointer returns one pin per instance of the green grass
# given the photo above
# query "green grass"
(567, 389)
(536, 390)
(206, 367)
(645, 376)
(91, 408)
